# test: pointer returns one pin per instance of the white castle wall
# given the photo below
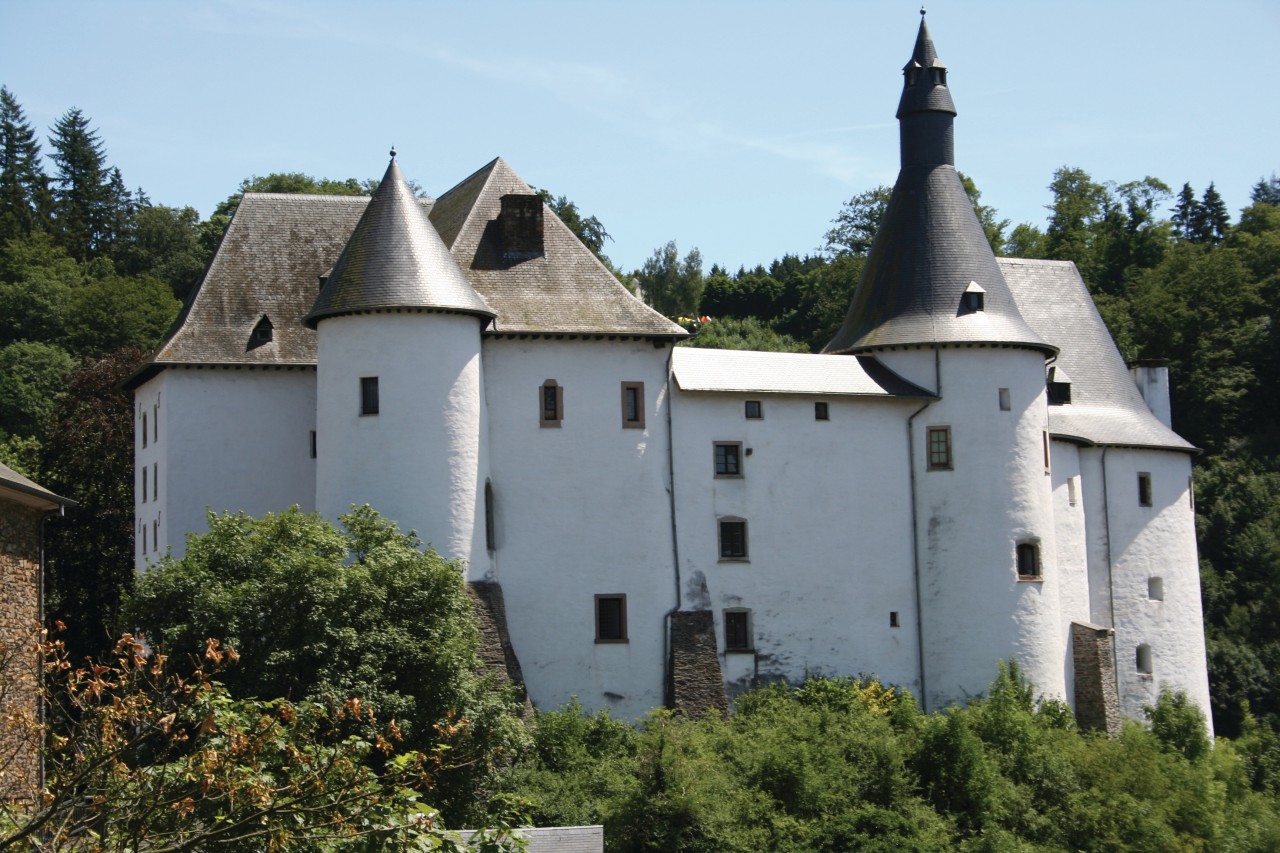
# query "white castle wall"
(1071, 543)
(228, 440)
(1147, 542)
(582, 509)
(970, 519)
(422, 459)
(828, 517)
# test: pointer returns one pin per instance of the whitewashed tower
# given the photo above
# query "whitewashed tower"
(400, 409)
(934, 306)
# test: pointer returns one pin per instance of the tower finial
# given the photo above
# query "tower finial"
(393, 152)
(922, 11)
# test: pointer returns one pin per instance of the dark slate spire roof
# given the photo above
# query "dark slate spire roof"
(395, 259)
(930, 247)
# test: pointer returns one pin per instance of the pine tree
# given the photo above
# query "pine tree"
(1217, 222)
(83, 197)
(24, 187)
(1267, 191)
(1185, 213)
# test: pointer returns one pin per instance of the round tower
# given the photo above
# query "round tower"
(934, 307)
(400, 411)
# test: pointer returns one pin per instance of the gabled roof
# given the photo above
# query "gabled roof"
(395, 259)
(698, 369)
(1106, 407)
(18, 489)
(565, 290)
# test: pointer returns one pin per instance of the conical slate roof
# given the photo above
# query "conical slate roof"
(930, 247)
(395, 259)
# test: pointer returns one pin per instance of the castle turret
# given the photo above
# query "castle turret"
(934, 306)
(400, 413)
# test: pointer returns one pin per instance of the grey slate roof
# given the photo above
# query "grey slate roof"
(278, 245)
(22, 490)
(1106, 407)
(565, 291)
(395, 259)
(930, 245)
(698, 369)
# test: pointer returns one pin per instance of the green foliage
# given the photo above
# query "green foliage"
(320, 613)
(85, 201)
(670, 285)
(1179, 725)
(24, 188)
(109, 312)
(139, 757)
(746, 334)
(32, 378)
(857, 223)
(589, 230)
(37, 279)
(164, 242)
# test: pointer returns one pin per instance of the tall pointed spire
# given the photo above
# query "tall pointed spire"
(395, 259)
(930, 247)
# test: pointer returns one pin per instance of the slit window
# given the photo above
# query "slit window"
(633, 405)
(550, 404)
(1044, 437)
(155, 422)
(1144, 659)
(611, 618)
(144, 429)
(893, 619)
(144, 537)
(1155, 589)
(155, 481)
(144, 484)
(940, 448)
(821, 412)
(1003, 395)
(733, 539)
(1028, 561)
(490, 538)
(737, 631)
(1144, 489)
(1073, 494)
(368, 395)
(754, 410)
(728, 456)
(313, 444)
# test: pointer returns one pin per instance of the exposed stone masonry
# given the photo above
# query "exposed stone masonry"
(696, 685)
(1097, 700)
(19, 623)
(496, 651)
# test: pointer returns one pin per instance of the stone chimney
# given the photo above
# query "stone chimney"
(521, 222)
(1152, 378)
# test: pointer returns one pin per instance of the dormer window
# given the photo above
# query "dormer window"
(973, 299)
(262, 333)
(940, 76)
(1058, 387)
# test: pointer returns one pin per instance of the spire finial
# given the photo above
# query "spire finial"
(393, 152)
(922, 11)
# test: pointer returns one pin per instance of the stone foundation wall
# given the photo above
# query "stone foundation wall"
(19, 627)
(496, 651)
(696, 683)
(1097, 700)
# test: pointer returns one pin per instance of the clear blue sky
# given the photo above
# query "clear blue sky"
(738, 127)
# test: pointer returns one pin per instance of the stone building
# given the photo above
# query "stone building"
(23, 508)
(969, 473)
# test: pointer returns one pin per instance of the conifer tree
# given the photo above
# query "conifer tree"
(1266, 191)
(1185, 213)
(24, 187)
(83, 195)
(1217, 222)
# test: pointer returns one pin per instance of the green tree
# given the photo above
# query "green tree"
(37, 280)
(84, 197)
(670, 285)
(1078, 204)
(277, 182)
(1025, 241)
(357, 611)
(24, 187)
(108, 312)
(1186, 214)
(87, 455)
(856, 224)
(164, 242)
(32, 378)
(589, 230)
(1214, 222)
(992, 227)
(1266, 191)
(746, 333)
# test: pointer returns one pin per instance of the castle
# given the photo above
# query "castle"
(969, 473)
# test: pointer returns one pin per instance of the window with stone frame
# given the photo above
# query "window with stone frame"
(728, 458)
(737, 630)
(733, 539)
(633, 405)
(611, 618)
(550, 404)
(939, 439)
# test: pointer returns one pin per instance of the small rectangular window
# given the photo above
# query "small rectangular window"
(155, 422)
(940, 448)
(550, 404)
(144, 537)
(144, 429)
(1004, 400)
(1072, 490)
(155, 534)
(1144, 489)
(733, 539)
(490, 537)
(1044, 437)
(155, 481)
(728, 456)
(633, 405)
(1155, 589)
(893, 619)
(611, 618)
(313, 444)
(821, 412)
(144, 484)
(368, 395)
(754, 410)
(737, 631)
(1028, 561)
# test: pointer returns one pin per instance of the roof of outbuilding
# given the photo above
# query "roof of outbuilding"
(1106, 406)
(22, 490)
(278, 245)
(698, 369)
(395, 259)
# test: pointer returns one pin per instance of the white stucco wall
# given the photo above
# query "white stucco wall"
(1071, 544)
(828, 515)
(971, 518)
(1156, 541)
(582, 510)
(229, 439)
(422, 459)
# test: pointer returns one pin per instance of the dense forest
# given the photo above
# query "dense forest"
(93, 273)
